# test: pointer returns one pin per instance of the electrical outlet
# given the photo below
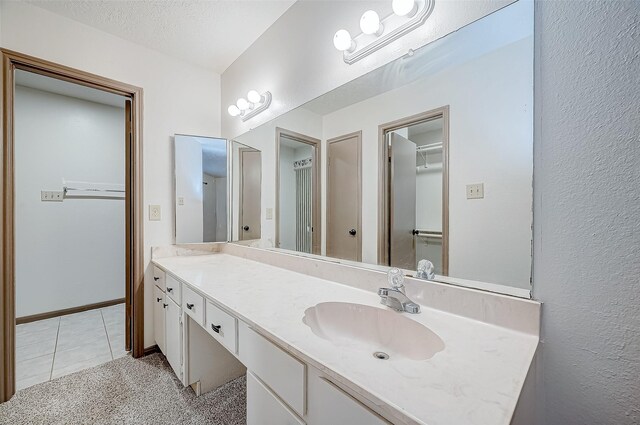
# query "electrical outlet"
(180, 200)
(475, 191)
(51, 195)
(269, 213)
(154, 213)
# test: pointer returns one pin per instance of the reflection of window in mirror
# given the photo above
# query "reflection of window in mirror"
(417, 203)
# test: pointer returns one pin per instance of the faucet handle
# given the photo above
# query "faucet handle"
(395, 278)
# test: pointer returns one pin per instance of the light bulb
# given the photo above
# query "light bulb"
(404, 7)
(370, 23)
(342, 41)
(233, 110)
(242, 104)
(254, 96)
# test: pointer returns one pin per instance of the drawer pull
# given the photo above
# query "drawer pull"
(169, 289)
(165, 305)
(190, 306)
(156, 278)
(215, 328)
(159, 299)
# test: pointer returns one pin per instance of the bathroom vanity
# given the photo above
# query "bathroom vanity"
(319, 348)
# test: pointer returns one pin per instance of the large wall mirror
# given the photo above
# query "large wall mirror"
(428, 157)
(217, 190)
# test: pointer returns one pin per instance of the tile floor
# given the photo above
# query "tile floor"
(48, 349)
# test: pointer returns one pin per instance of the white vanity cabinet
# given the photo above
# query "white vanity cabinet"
(207, 346)
(173, 337)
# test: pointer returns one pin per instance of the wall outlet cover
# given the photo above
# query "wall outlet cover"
(154, 213)
(475, 191)
(269, 213)
(51, 195)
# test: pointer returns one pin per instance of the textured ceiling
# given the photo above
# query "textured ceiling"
(208, 33)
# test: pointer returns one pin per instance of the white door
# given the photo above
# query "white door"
(402, 252)
(263, 407)
(158, 317)
(173, 341)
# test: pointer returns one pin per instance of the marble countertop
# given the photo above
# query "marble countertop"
(476, 379)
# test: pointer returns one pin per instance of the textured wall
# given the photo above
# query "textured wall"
(587, 211)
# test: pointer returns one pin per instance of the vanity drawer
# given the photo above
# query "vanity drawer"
(284, 374)
(193, 304)
(222, 326)
(159, 277)
(173, 288)
(263, 405)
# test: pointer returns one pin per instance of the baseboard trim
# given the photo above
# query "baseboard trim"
(66, 311)
(151, 350)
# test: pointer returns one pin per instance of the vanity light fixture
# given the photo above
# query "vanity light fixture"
(376, 33)
(251, 106)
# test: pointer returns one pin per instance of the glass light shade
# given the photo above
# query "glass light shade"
(370, 22)
(403, 7)
(254, 96)
(342, 40)
(233, 110)
(242, 104)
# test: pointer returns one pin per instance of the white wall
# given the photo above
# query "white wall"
(189, 190)
(295, 58)
(587, 211)
(70, 253)
(490, 141)
(178, 98)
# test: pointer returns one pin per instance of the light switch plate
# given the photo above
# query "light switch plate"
(154, 213)
(475, 191)
(51, 195)
(269, 213)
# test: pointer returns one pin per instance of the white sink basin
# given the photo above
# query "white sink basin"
(371, 329)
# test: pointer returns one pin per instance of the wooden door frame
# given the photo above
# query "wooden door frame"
(316, 191)
(358, 136)
(134, 262)
(384, 186)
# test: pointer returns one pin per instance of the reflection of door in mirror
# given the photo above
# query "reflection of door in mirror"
(298, 192)
(250, 163)
(344, 200)
(417, 210)
(201, 189)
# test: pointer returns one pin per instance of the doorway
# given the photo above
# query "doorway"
(414, 207)
(128, 192)
(344, 197)
(297, 192)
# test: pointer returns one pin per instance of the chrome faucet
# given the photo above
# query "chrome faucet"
(395, 296)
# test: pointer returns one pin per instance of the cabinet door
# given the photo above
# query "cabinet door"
(262, 404)
(173, 341)
(158, 317)
(329, 405)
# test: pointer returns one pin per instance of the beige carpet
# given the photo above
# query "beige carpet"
(125, 391)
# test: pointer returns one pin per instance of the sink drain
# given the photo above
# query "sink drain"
(380, 355)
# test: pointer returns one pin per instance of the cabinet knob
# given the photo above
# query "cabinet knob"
(156, 278)
(215, 328)
(165, 305)
(245, 228)
(352, 232)
(190, 306)
(169, 289)
(159, 299)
